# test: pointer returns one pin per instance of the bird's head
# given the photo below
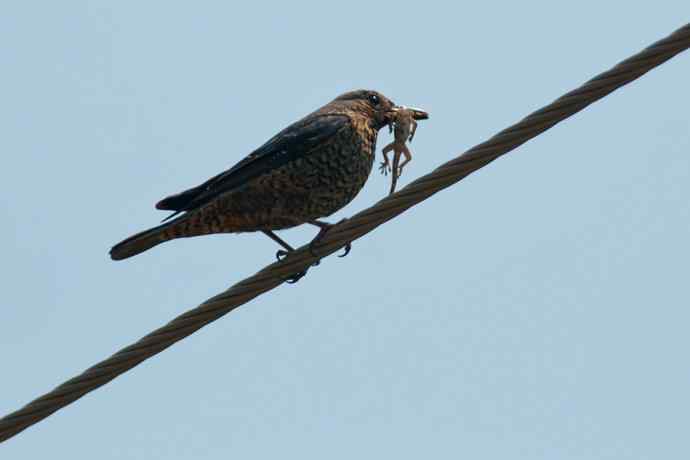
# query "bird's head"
(377, 108)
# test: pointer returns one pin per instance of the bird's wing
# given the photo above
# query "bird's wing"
(295, 141)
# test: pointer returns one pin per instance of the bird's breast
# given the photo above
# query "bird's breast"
(332, 175)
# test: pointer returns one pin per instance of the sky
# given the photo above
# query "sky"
(537, 309)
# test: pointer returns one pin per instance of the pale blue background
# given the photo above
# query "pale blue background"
(539, 309)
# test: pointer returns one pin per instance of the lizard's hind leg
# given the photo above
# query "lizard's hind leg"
(408, 157)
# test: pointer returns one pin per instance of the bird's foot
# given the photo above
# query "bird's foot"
(348, 248)
(281, 254)
(325, 226)
(292, 279)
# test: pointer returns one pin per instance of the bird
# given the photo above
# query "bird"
(307, 171)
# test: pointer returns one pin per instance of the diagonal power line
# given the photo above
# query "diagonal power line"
(360, 224)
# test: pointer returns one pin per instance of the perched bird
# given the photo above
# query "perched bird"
(309, 170)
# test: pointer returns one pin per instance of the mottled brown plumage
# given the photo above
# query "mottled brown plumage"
(309, 170)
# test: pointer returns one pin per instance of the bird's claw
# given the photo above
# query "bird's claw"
(312, 250)
(321, 234)
(292, 279)
(348, 248)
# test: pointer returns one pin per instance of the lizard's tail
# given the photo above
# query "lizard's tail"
(395, 175)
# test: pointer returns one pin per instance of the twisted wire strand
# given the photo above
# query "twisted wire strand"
(358, 225)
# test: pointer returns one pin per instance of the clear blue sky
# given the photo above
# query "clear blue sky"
(538, 309)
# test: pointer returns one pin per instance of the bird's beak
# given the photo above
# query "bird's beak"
(418, 114)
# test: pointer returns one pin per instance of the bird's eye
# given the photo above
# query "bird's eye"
(374, 99)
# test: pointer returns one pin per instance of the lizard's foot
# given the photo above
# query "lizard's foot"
(385, 168)
(325, 226)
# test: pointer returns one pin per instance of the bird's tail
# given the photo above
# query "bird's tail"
(141, 242)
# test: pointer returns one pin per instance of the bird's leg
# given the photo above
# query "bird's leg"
(324, 227)
(280, 255)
